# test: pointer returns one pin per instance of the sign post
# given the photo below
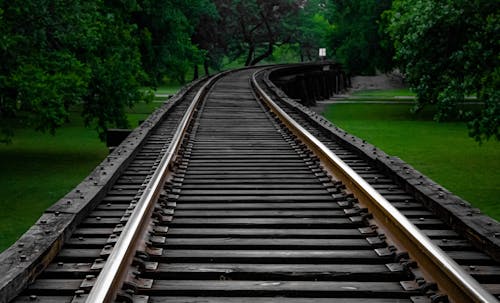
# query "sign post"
(322, 53)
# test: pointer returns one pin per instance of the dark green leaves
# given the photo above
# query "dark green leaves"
(356, 39)
(449, 50)
(89, 55)
(43, 74)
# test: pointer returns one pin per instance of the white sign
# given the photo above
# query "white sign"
(322, 52)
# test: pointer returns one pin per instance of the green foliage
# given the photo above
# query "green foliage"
(166, 28)
(117, 76)
(96, 53)
(286, 53)
(250, 29)
(58, 54)
(48, 95)
(311, 29)
(41, 73)
(358, 43)
(449, 50)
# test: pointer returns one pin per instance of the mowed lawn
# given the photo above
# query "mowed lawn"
(37, 169)
(442, 151)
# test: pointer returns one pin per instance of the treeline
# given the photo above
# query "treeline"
(99, 55)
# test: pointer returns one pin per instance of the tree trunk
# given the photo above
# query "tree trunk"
(205, 66)
(270, 37)
(195, 73)
(251, 50)
(266, 54)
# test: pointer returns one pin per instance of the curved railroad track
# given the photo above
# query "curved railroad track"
(234, 194)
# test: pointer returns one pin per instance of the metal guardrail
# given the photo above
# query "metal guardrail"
(451, 278)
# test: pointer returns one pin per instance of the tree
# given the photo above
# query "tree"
(40, 74)
(166, 28)
(253, 28)
(211, 40)
(357, 40)
(57, 54)
(117, 76)
(311, 29)
(449, 50)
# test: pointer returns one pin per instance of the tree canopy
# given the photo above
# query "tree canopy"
(357, 39)
(166, 29)
(93, 54)
(312, 28)
(449, 50)
(252, 28)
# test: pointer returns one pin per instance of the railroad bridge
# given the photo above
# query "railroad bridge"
(234, 191)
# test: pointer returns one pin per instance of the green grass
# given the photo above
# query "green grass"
(168, 90)
(442, 151)
(37, 169)
(141, 111)
(392, 95)
(385, 93)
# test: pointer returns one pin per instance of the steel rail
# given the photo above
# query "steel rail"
(451, 278)
(110, 277)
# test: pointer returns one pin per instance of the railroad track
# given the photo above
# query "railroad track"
(242, 206)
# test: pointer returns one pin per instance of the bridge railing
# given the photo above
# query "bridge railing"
(311, 82)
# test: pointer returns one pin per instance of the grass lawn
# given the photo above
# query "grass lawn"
(168, 90)
(37, 169)
(384, 93)
(401, 94)
(442, 151)
(141, 111)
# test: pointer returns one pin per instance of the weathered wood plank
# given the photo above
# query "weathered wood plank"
(43, 299)
(280, 288)
(259, 213)
(254, 198)
(273, 256)
(268, 232)
(162, 299)
(259, 205)
(324, 272)
(250, 192)
(51, 287)
(260, 243)
(281, 222)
